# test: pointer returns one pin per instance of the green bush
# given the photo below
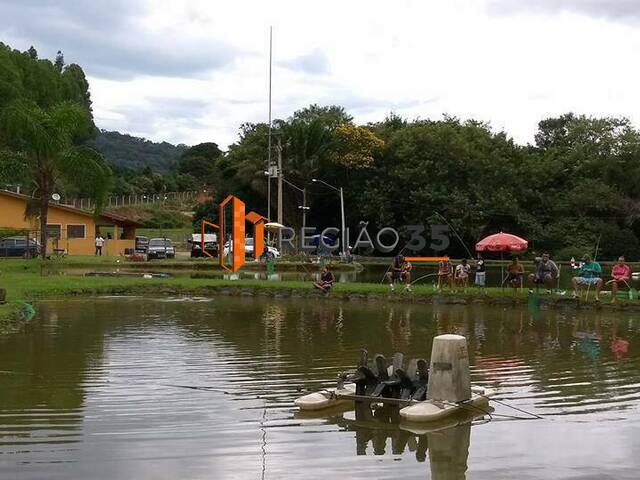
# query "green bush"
(167, 219)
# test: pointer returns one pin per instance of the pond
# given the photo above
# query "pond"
(168, 388)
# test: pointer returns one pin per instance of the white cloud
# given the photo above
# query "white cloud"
(194, 71)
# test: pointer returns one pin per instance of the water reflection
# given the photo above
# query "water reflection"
(92, 389)
(380, 431)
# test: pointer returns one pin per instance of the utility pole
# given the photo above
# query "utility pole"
(269, 150)
(279, 147)
(304, 208)
(344, 230)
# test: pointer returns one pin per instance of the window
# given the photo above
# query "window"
(54, 231)
(76, 231)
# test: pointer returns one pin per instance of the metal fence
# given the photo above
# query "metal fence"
(133, 199)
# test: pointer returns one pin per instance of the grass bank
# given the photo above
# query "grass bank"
(102, 263)
(25, 283)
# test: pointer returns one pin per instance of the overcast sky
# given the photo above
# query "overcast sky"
(193, 71)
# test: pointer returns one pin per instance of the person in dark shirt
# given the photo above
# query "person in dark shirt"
(400, 272)
(481, 272)
(326, 280)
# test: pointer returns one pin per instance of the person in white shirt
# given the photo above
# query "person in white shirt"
(462, 273)
(99, 245)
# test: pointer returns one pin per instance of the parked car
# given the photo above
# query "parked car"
(18, 247)
(160, 248)
(271, 252)
(210, 244)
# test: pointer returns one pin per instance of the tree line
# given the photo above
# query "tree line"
(574, 188)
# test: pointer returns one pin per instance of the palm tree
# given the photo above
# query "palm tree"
(41, 148)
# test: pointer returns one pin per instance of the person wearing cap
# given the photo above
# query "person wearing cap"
(590, 273)
(620, 275)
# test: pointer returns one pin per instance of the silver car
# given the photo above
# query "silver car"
(160, 248)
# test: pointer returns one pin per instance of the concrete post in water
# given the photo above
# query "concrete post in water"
(3, 295)
(449, 371)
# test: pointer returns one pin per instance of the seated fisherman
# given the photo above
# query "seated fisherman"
(590, 273)
(462, 273)
(620, 276)
(445, 273)
(326, 280)
(545, 274)
(515, 273)
(399, 272)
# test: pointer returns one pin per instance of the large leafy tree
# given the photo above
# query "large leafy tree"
(45, 121)
(40, 147)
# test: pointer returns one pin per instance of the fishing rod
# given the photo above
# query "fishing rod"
(406, 244)
(389, 267)
(424, 276)
(455, 233)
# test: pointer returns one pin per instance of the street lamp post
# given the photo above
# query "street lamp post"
(343, 229)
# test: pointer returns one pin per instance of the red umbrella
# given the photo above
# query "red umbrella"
(502, 242)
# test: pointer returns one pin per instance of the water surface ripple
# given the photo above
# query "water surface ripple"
(174, 388)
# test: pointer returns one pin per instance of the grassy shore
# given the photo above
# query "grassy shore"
(30, 281)
(106, 263)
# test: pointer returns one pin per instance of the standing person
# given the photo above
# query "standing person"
(515, 273)
(545, 274)
(590, 273)
(462, 273)
(445, 273)
(326, 280)
(620, 275)
(481, 272)
(99, 245)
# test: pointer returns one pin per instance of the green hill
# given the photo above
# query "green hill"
(127, 152)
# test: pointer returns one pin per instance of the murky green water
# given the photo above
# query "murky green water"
(97, 389)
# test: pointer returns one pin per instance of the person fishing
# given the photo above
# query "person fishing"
(445, 273)
(326, 280)
(400, 272)
(462, 273)
(545, 274)
(405, 275)
(515, 273)
(620, 275)
(590, 273)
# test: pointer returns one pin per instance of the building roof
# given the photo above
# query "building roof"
(110, 217)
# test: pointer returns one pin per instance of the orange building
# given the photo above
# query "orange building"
(71, 230)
